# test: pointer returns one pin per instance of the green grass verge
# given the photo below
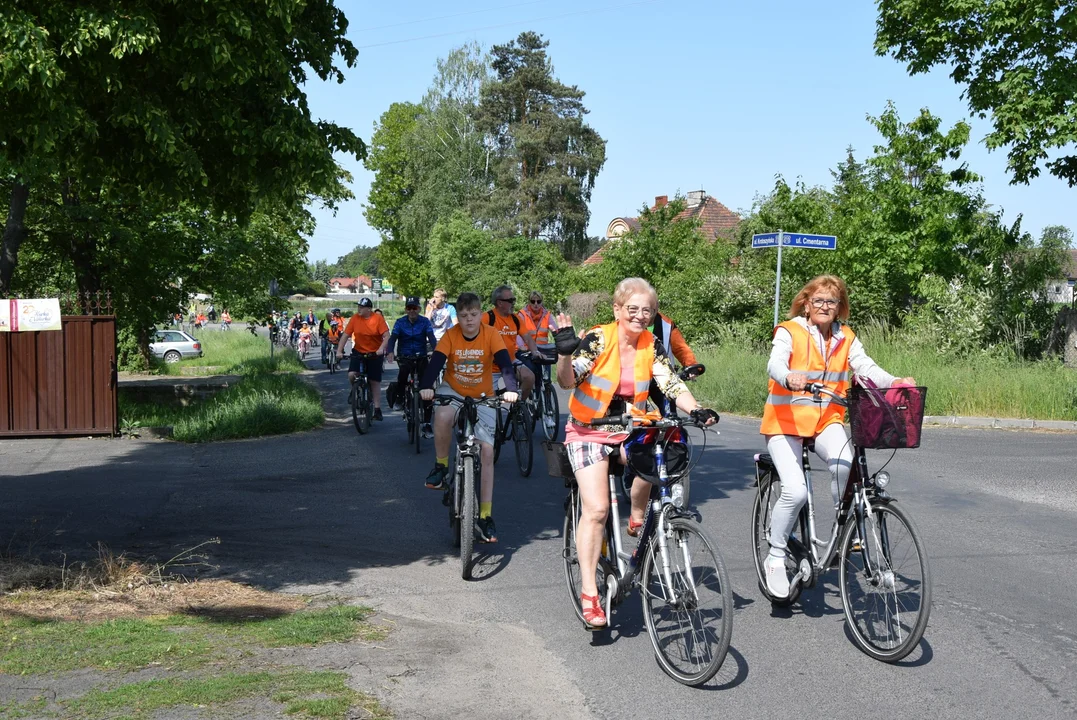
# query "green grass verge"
(311, 694)
(259, 405)
(236, 352)
(180, 642)
(982, 385)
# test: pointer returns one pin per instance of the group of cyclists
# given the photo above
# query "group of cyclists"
(623, 367)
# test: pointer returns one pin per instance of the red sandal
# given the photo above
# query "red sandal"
(593, 615)
(633, 527)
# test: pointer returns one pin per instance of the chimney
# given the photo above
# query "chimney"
(696, 197)
(661, 201)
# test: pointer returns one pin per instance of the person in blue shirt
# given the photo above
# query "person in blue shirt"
(410, 337)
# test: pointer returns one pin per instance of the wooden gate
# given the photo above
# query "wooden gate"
(60, 383)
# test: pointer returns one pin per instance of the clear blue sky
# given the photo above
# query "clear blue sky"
(688, 95)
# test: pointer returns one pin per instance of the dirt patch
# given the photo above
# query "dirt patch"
(207, 598)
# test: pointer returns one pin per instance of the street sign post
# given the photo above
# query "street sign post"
(798, 240)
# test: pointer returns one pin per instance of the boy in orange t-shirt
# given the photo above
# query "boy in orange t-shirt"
(369, 334)
(468, 351)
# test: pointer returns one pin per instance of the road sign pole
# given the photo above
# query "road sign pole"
(778, 278)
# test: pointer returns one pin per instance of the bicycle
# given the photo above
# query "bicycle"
(885, 580)
(331, 360)
(303, 347)
(362, 404)
(462, 497)
(517, 426)
(543, 404)
(684, 586)
(413, 412)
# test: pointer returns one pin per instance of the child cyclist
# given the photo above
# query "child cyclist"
(468, 351)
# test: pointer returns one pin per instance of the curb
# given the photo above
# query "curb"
(1001, 423)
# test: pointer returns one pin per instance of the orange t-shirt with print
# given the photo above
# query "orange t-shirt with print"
(470, 366)
(366, 334)
(507, 328)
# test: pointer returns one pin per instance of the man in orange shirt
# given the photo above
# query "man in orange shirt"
(370, 335)
(518, 333)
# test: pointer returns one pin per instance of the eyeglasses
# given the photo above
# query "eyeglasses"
(536, 302)
(508, 300)
(633, 311)
(824, 302)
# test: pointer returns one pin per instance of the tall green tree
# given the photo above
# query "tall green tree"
(362, 260)
(159, 102)
(1016, 62)
(545, 157)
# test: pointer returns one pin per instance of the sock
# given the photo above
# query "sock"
(444, 462)
(484, 509)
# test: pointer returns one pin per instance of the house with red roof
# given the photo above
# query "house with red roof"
(349, 285)
(716, 220)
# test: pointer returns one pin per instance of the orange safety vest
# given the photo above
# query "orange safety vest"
(795, 413)
(542, 327)
(591, 398)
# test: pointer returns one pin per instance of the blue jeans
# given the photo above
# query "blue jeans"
(325, 349)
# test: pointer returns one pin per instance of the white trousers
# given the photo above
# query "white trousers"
(833, 446)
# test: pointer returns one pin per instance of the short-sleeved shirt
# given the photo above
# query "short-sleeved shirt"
(507, 328)
(442, 319)
(366, 334)
(470, 366)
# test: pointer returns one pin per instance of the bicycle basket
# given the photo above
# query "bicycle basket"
(887, 419)
(639, 450)
(557, 462)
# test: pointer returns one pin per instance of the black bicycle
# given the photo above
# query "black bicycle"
(516, 426)
(685, 588)
(360, 400)
(543, 405)
(462, 495)
(331, 359)
(413, 404)
(885, 581)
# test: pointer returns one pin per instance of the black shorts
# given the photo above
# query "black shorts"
(526, 363)
(371, 365)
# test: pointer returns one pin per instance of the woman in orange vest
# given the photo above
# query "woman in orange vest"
(610, 371)
(812, 346)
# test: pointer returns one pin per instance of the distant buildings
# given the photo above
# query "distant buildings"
(716, 220)
(359, 284)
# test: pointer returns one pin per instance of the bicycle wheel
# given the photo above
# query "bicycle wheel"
(417, 418)
(409, 415)
(368, 404)
(521, 439)
(500, 432)
(572, 561)
(468, 510)
(887, 605)
(331, 361)
(359, 406)
(690, 623)
(551, 413)
(767, 494)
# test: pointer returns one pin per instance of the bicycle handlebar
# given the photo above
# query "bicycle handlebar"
(633, 421)
(539, 359)
(493, 401)
(818, 390)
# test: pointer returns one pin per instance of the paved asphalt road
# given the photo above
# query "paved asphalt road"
(332, 512)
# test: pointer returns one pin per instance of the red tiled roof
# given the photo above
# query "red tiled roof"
(343, 282)
(716, 220)
(1070, 264)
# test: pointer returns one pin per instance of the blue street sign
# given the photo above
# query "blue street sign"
(804, 240)
(765, 240)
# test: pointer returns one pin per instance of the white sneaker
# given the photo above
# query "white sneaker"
(550, 423)
(777, 579)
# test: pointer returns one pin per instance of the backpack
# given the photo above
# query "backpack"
(491, 319)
